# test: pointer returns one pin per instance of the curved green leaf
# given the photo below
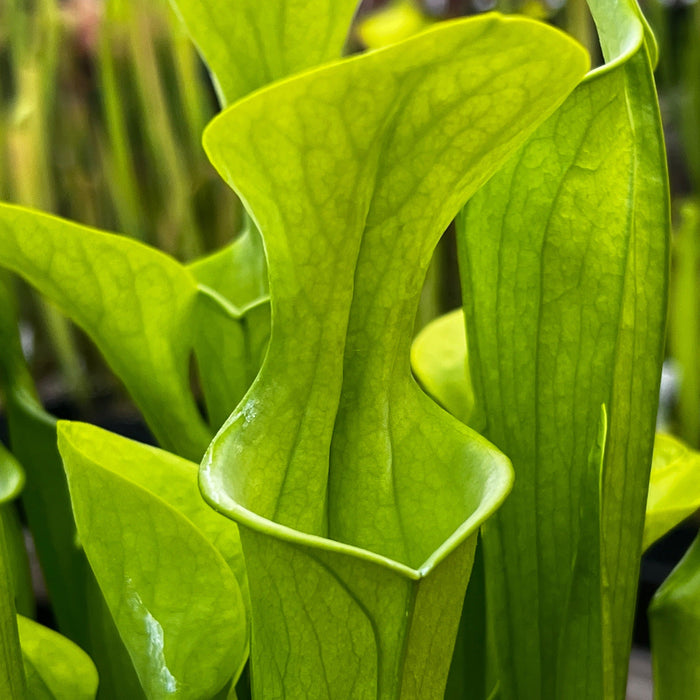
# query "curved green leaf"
(439, 361)
(56, 669)
(674, 487)
(674, 625)
(173, 597)
(233, 322)
(564, 257)
(172, 479)
(134, 302)
(358, 518)
(237, 272)
(249, 43)
(144, 312)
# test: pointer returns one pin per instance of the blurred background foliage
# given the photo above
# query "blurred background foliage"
(102, 105)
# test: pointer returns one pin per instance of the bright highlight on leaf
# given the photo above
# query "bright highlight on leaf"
(674, 487)
(394, 22)
(11, 476)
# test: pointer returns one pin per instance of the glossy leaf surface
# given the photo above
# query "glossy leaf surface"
(564, 258)
(674, 625)
(56, 669)
(249, 44)
(147, 535)
(358, 517)
(674, 487)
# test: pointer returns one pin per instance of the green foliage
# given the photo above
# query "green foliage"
(146, 334)
(55, 668)
(674, 623)
(165, 563)
(674, 487)
(354, 497)
(255, 45)
(684, 327)
(563, 256)
(439, 361)
(344, 295)
(675, 630)
(12, 680)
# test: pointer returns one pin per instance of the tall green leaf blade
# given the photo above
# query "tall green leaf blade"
(233, 322)
(18, 560)
(564, 258)
(249, 44)
(369, 493)
(174, 599)
(12, 480)
(134, 302)
(55, 667)
(45, 496)
(674, 625)
(12, 680)
(586, 614)
(118, 677)
(47, 504)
